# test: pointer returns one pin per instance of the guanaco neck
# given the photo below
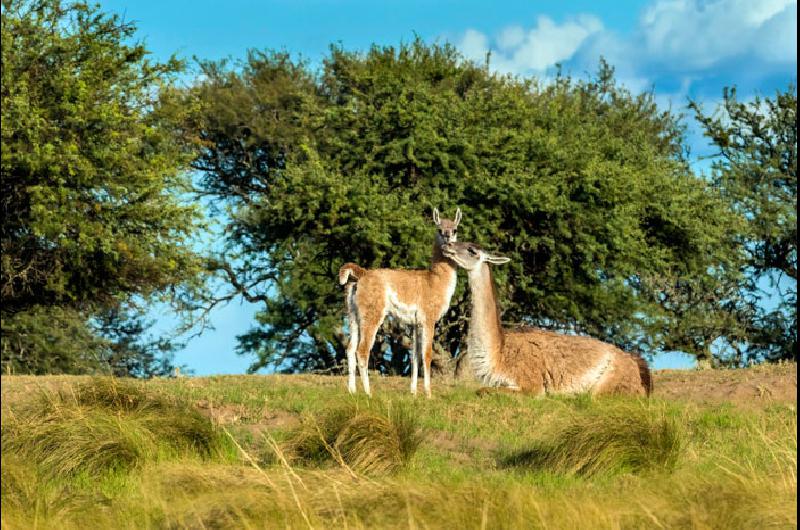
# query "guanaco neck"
(439, 263)
(485, 337)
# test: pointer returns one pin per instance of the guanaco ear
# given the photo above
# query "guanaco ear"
(458, 217)
(436, 220)
(497, 260)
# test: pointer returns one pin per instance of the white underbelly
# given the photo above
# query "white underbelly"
(405, 313)
(448, 295)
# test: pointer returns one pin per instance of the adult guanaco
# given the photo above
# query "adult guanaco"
(534, 360)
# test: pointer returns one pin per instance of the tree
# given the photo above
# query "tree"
(51, 340)
(93, 160)
(63, 340)
(129, 351)
(756, 170)
(582, 183)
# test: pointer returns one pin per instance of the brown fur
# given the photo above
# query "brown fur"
(417, 297)
(350, 272)
(534, 360)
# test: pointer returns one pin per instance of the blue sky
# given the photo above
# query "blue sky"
(679, 48)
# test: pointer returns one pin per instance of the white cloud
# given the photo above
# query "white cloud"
(696, 34)
(474, 45)
(548, 43)
(535, 50)
(777, 37)
(511, 37)
(681, 39)
(682, 48)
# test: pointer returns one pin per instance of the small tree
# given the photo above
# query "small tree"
(130, 351)
(63, 340)
(52, 340)
(756, 170)
(93, 159)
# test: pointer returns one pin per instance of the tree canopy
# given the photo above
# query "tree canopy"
(582, 183)
(93, 163)
(90, 161)
(756, 170)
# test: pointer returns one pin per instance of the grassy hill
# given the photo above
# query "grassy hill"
(710, 449)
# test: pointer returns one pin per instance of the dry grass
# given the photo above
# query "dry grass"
(105, 426)
(624, 438)
(353, 463)
(369, 438)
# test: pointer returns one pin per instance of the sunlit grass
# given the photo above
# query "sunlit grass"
(368, 437)
(104, 426)
(120, 454)
(625, 438)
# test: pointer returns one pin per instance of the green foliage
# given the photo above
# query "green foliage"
(580, 182)
(93, 160)
(92, 153)
(107, 425)
(756, 170)
(51, 340)
(371, 438)
(64, 340)
(597, 442)
(132, 352)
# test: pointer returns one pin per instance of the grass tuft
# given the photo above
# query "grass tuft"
(608, 440)
(737, 469)
(371, 439)
(104, 426)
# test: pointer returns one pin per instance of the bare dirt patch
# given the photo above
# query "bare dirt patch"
(236, 413)
(224, 414)
(461, 451)
(757, 386)
(279, 419)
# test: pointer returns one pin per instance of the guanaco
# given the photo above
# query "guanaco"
(534, 360)
(416, 297)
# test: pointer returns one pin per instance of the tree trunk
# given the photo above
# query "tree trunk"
(441, 363)
(704, 363)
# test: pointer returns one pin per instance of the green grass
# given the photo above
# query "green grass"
(369, 437)
(107, 426)
(299, 452)
(604, 440)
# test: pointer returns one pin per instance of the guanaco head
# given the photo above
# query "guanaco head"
(470, 256)
(446, 229)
